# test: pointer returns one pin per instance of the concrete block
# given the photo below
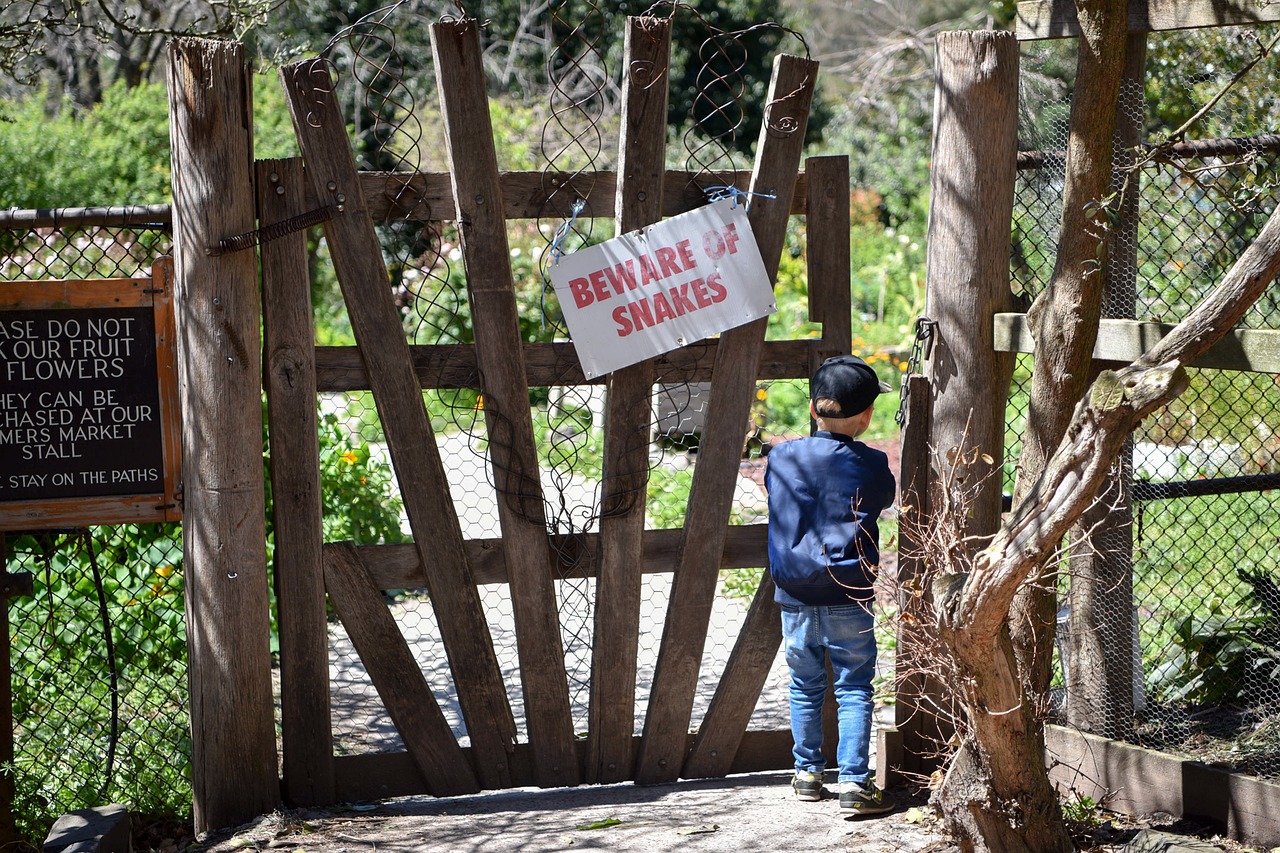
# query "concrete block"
(100, 830)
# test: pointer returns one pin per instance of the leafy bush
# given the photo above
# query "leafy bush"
(1228, 655)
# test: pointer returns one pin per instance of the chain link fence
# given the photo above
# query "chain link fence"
(1202, 542)
(99, 651)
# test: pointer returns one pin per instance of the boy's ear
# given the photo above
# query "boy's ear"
(812, 412)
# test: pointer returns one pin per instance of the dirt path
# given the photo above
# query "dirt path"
(751, 812)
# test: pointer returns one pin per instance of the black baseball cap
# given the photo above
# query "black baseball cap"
(849, 381)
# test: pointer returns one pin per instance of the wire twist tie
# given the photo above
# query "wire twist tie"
(563, 231)
(719, 193)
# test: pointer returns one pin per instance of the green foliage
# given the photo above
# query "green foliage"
(1187, 69)
(1080, 809)
(1224, 656)
(357, 488)
(62, 686)
(116, 152)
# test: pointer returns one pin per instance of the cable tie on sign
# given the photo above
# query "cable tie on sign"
(720, 193)
(563, 231)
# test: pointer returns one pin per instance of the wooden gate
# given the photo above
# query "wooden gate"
(480, 200)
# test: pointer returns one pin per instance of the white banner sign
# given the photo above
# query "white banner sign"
(660, 288)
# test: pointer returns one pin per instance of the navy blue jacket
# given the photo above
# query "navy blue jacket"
(825, 494)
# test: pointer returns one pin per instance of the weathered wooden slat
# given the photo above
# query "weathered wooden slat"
(224, 538)
(357, 259)
(1144, 781)
(1256, 350)
(527, 195)
(549, 364)
(396, 675)
(379, 775)
(400, 566)
(628, 422)
(75, 293)
(163, 293)
(827, 223)
(916, 735)
(1050, 19)
(71, 512)
(473, 162)
(734, 375)
(306, 732)
(749, 664)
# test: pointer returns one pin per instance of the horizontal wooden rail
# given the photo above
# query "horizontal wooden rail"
(428, 196)
(1232, 146)
(398, 566)
(1054, 19)
(1255, 350)
(379, 775)
(548, 364)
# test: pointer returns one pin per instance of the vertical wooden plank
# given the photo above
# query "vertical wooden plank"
(729, 714)
(918, 729)
(827, 222)
(736, 696)
(975, 149)
(224, 534)
(375, 321)
(290, 370)
(684, 634)
(396, 674)
(162, 295)
(628, 421)
(473, 164)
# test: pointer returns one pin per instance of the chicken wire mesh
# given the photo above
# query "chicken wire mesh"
(577, 139)
(1199, 545)
(98, 654)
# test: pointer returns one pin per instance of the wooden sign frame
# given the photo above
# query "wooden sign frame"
(156, 293)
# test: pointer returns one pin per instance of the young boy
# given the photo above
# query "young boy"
(825, 494)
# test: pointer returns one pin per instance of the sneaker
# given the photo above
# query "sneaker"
(857, 800)
(807, 785)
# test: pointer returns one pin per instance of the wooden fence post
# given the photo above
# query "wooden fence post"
(970, 213)
(971, 207)
(628, 422)
(233, 740)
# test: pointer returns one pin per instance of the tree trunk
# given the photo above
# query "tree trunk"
(997, 795)
(1064, 318)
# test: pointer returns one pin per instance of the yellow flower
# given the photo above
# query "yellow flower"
(164, 571)
(351, 457)
(762, 393)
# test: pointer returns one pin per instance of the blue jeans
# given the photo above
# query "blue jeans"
(844, 632)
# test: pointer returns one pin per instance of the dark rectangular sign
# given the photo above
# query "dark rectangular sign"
(87, 403)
